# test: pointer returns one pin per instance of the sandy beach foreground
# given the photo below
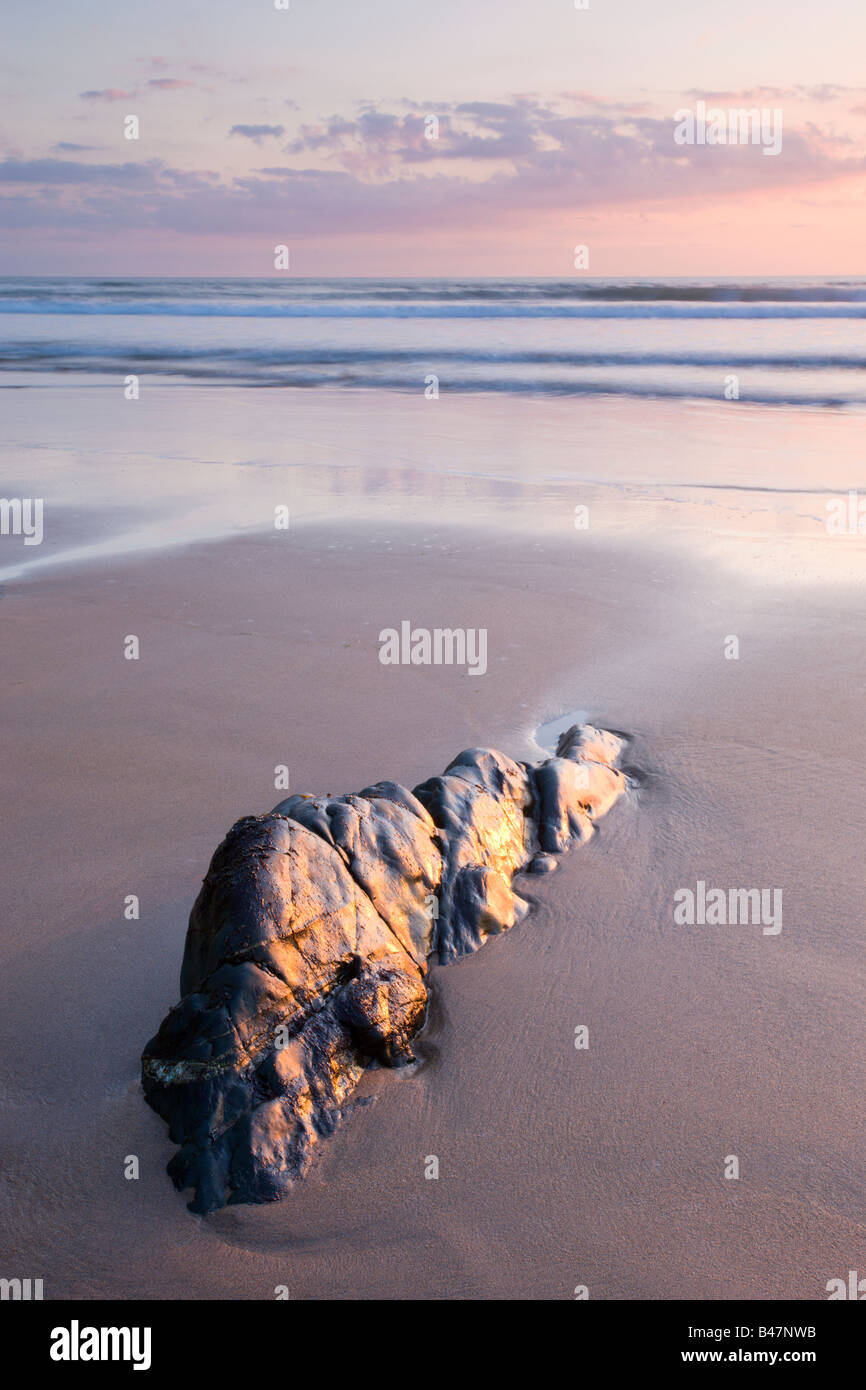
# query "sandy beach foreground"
(557, 1167)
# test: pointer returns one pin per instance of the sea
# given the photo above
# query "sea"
(768, 341)
(149, 413)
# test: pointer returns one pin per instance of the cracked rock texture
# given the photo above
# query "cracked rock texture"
(307, 952)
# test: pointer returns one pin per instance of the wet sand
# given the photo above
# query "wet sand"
(557, 1167)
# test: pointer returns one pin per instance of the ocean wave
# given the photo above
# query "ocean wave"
(359, 376)
(476, 309)
(576, 336)
(830, 289)
(575, 296)
(168, 356)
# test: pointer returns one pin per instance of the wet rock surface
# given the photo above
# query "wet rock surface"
(308, 948)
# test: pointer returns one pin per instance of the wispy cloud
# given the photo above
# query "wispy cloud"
(169, 84)
(72, 172)
(106, 94)
(376, 171)
(257, 133)
(153, 84)
(821, 92)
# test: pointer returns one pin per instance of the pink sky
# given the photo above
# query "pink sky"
(307, 127)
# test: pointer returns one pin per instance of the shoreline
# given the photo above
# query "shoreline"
(690, 471)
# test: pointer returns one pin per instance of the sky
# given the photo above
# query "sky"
(308, 127)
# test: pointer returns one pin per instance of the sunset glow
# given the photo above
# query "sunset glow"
(256, 127)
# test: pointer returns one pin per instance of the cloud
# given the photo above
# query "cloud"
(376, 171)
(592, 155)
(378, 139)
(592, 102)
(69, 171)
(153, 84)
(106, 94)
(823, 92)
(257, 133)
(261, 73)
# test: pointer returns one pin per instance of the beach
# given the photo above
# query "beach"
(259, 648)
(432, 633)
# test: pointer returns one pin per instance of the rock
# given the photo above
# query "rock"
(307, 951)
(542, 864)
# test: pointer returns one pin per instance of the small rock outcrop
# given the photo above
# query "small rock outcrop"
(308, 949)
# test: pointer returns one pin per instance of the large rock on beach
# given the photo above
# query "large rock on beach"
(308, 949)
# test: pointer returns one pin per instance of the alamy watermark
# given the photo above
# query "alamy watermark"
(846, 516)
(20, 1290)
(739, 126)
(77, 1343)
(720, 907)
(22, 516)
(443, 646)
(853, 1288)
